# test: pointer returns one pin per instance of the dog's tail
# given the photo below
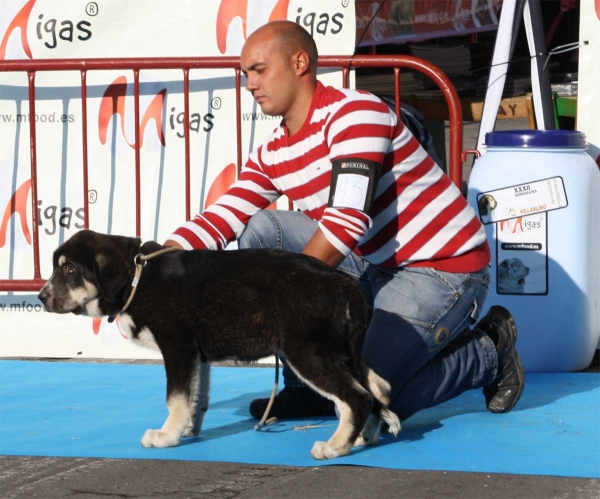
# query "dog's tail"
(381, 391)
(356, 324)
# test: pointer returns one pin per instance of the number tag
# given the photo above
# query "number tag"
(351, 191)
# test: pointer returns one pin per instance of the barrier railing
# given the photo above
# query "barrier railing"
(345, 63)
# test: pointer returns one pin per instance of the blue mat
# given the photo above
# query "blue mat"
(102, 410)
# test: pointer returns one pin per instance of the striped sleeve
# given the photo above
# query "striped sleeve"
(225, 220)
(359, 129)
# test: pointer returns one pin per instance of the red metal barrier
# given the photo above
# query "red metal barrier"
(346, 63)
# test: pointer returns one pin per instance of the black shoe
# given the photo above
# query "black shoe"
(504, 392)
(294, 403)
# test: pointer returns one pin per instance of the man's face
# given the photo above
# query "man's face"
(270, 77)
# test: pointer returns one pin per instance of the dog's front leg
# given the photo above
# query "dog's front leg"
(180, 412)
(201, 400)
(183, 378)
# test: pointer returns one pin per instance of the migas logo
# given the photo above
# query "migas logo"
(513, 225)
(113, 102)
(49, 216)
(522, 224)
(313, 22)
(49, 30)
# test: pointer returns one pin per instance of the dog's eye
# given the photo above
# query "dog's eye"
(68, 269)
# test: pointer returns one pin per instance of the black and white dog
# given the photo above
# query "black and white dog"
(198, 307)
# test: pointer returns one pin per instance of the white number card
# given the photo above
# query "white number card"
(351, 191)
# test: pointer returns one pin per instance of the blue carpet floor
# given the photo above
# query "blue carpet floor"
(102, 410)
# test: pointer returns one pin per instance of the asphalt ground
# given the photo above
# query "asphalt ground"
(53, 478)
(77, 478)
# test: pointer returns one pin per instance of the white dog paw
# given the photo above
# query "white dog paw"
(159, 438)
(191, 432)
(324, 450)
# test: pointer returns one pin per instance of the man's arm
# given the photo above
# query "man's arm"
(172, 244)
(225, 219)
(320, 248)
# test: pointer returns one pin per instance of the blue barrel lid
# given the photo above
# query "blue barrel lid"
(536, 138)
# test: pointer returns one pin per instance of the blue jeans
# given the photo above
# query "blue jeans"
(420, 337)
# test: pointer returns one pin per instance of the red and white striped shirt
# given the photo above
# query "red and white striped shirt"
(419, 217)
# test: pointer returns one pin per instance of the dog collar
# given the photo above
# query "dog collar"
(140, 260)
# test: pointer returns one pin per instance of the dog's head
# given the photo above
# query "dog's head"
(511, 275)
(92, 273)
(486, 204)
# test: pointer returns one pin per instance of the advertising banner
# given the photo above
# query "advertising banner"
(399, 21)
(54, 29)
(522, 255)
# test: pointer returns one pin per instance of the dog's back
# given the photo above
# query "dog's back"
(245, 304)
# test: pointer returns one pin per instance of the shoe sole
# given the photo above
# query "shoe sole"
(512, 334)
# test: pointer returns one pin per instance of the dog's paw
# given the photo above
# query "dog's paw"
(159, 438)
(190, 432)
(324, 450)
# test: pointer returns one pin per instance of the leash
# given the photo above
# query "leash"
(264, 421)
(140, 260)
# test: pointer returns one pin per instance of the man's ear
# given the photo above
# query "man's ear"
(301, 62)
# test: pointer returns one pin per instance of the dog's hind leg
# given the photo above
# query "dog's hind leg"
(201, 399)
(182, 378)
(381, 391)
(372, 430)
(332, 379)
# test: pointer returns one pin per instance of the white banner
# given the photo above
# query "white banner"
(54, 29)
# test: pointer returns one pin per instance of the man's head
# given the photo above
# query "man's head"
(279, 61)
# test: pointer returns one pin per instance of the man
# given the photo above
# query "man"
(375, 205)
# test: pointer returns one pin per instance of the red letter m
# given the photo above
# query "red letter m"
(17, 204)
(113, 102)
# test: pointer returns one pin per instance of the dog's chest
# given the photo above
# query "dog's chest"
(139, 336)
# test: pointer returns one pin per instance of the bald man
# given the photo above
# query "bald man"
(374, 204)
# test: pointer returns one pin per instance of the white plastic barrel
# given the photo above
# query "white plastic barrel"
(538, 194)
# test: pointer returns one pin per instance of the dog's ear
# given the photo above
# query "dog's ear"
(114, 267)
(503, 270)
(482, 204)
(112, 275)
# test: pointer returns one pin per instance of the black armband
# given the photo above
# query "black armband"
(354, 183)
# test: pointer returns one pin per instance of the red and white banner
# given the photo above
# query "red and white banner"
(397, 21)
(54, 29)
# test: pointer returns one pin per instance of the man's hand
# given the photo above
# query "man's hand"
(172, 244)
